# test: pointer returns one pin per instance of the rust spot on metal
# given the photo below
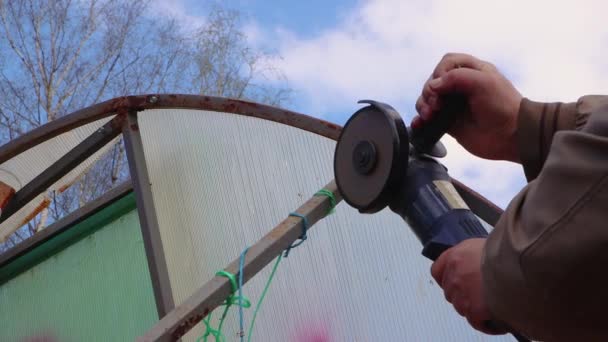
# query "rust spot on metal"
(44, 204)
(125, 104)
(69, 184)
(122, 111)
(6, 193)
(119, 120)
(331, 125)
(187, 324)
(134, 127)
(230, 107)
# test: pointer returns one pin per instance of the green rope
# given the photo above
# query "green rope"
(257, 307)
(332, 199)
(236, 300)
(231, 300)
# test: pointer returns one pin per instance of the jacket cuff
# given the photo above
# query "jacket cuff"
(537, 123)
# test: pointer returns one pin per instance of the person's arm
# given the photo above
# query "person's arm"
(544, 265)
(538, 122)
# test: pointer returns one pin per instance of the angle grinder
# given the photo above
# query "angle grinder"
(380, 162)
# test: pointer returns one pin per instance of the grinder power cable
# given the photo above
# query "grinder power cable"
(380, 162)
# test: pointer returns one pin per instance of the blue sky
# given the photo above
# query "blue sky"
(334, 53)
(306, 18)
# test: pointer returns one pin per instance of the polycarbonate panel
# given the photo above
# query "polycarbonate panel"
(97, 289)
(21, 169)
(221, 181)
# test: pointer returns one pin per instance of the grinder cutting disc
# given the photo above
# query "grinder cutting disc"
(371, 156)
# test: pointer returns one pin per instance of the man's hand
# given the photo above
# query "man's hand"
(458, 272)
(488, 128)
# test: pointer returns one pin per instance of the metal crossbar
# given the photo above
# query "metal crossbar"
(185, 316)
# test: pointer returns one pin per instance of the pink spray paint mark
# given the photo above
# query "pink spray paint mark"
(314, 333)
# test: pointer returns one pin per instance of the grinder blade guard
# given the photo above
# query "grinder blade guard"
(371, 156)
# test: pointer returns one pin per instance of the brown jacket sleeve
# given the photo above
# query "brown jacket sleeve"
(538, 123)
(545, 265)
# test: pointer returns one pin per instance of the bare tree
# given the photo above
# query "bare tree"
(62, 55)
(225, 65)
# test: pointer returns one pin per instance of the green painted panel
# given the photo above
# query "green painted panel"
(97, 289)
(70, 236)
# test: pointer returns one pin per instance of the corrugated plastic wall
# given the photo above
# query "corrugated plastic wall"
(21, 169)
(221, 181)
(97, 289)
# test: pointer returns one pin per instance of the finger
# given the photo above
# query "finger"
(479, 325)
(487, 326)
(431, 98)
(461, 81)
(434, 103)
(416, 122)
(452, 61)
(450, 289)
(419, 103)
(423, 109)
(481, 319)
(427, 91)
(461, 305)
(438, 268)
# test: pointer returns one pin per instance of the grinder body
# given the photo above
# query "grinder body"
(433, 209)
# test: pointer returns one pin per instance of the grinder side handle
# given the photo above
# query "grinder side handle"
(425, 136)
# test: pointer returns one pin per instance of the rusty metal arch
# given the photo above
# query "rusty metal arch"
(128, 104)
(139, 103)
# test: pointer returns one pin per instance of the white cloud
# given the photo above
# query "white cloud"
(182, 11)
(390, 46)
(254, 33)
(385, 49)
